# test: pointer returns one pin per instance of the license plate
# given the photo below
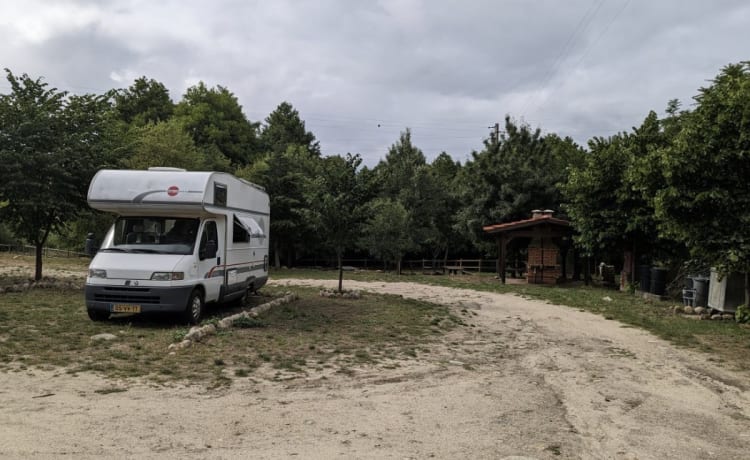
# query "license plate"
(126, 308)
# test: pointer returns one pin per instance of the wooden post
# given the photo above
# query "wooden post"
(502, 258)
(576, 265)
(632, 267)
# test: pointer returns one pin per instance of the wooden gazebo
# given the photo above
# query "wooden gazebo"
(545, 264)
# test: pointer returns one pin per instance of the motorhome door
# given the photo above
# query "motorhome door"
(210, 260)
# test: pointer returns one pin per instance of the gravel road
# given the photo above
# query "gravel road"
(528, 380)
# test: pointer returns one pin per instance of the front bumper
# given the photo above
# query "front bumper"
(151, 299)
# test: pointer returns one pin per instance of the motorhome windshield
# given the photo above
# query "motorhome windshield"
(162, 235)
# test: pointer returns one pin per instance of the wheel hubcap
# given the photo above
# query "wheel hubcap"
(196, 307)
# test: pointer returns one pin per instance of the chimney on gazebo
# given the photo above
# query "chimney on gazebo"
(538, 213)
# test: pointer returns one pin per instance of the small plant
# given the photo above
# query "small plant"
(246, 322)
(362, 356)
(742, 315)
(105, 391)
(556, 449)
(179, 334)
(241, 373)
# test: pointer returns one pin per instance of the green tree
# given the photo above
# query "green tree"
(214, 118)
(283, 176)
(168, 144)
(404, 176)
(51, 144)
(334, 202)
(398, 169)
(515, 173)
(445, 173)
(706, 198)
(285, 128)
(145, 101)
(610, 196)
(385, 234)
(594, 195)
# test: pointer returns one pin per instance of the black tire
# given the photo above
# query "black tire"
(194, 308)
(242, 301)
(97, 315)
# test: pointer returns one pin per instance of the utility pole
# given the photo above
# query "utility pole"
(496, 127)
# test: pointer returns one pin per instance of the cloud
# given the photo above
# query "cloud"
(360, 72)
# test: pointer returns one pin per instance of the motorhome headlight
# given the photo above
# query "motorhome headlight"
(168, 276)
(97, 273)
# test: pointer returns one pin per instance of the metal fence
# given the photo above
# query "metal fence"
(413, 265)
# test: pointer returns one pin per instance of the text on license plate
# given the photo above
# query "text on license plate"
(126, 308)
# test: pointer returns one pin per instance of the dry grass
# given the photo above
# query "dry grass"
(49, 328)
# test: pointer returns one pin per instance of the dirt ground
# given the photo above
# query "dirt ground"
(528, 380)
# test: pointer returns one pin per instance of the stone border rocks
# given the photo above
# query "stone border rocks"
(345, 294)
(197, 333)
(702, 313)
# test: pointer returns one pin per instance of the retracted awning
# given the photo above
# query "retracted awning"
(253, 227)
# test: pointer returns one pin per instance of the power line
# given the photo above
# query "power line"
(567, 47)
(588, 48)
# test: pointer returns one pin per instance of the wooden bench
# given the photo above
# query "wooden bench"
(453, 269)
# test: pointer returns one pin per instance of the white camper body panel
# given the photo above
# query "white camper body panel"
(231, 212)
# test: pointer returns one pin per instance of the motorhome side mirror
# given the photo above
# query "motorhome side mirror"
(209, 251)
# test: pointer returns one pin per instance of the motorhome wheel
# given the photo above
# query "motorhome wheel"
(194, 308)
(97, 315)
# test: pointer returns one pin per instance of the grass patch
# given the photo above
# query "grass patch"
(49, 328)
(248, 322)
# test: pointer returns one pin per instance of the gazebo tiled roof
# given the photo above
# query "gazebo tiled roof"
(519, 224)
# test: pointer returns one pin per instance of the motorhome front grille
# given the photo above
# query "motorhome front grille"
(120, 294)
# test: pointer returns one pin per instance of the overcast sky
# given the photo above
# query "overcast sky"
(359, 72)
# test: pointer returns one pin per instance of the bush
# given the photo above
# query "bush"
(6, 236)
(742, 315)
(248, 322)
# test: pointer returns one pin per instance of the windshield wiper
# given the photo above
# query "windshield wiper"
(145, 251)
(114, 250)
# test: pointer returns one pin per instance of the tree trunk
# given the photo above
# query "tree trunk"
(276, 257)
(38, 271)
(747, 289)
(341, 273)
(289, 256)
(398, 267)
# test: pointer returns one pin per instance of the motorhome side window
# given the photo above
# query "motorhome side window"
(220, 194)
(209, 234)
(239, 233)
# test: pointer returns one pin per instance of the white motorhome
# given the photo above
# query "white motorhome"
(181, 239)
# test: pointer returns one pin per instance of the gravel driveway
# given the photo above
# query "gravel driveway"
(525, 380)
